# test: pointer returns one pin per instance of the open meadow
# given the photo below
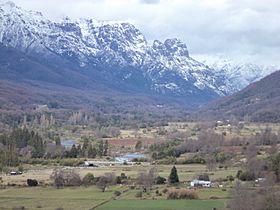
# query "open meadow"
(80, 198)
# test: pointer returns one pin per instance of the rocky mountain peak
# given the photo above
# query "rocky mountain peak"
(171, 47)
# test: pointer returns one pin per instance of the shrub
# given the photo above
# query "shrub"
(72, 178)
(19, 208)
(246, 176)
(181, 194)
(117, 193)
(88, 179)
(172, 194)
(214, 197)
(106, 180)
(118, 180)
(195, 159)
(65, 178)
(230, 178)
(138, 194)
(160, 180)
(204, 177)
(32, 182)
(20, 168)
(123, 176)
(165, 190)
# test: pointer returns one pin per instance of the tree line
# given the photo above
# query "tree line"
(23, 143)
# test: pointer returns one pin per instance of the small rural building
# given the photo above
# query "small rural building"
(200, 183)
(14, 173)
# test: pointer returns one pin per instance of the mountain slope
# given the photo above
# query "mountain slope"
(240, 73)
(113, 54)
(260, 101)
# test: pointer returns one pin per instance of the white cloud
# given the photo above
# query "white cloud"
(150, 1)
(231, 27)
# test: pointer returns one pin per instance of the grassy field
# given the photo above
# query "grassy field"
(51, 198)
(185, 172)
(163, 205)
(81, 198)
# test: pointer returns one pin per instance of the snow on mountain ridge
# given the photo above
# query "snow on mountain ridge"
(241, 73)
(109, 43)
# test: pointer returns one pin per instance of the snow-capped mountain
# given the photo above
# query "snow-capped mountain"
(240, 73)
(116, 47)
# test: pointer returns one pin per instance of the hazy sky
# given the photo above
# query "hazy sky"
(235, 28)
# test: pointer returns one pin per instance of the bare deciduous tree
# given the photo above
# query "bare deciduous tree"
(147, 179)
(65, 177)
(106, 180)
(244, 199)
(57, 177)
(211, 163)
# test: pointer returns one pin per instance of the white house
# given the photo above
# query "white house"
(200, 183)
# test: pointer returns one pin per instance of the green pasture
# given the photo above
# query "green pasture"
(81, 198)
(163, 205)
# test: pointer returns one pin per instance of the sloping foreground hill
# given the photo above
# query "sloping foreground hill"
(259, 101)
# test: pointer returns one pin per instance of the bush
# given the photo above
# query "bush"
(238, 173)
(123, 176)
(214, 197)
(181, 194)
(106, 180)
(195, 159)
(32, 182)
(63, 178)
(18, 208)
(246, 176)
(138, 194)
(88, 179)
(117, 193)
(132, 187)
(160, 180)
(20, 168)
(230, 178)
(165, 190)
(204, 177)
(118, 180)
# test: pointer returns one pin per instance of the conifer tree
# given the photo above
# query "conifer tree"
(173, 177)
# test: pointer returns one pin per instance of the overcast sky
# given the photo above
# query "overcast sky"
(234, 28)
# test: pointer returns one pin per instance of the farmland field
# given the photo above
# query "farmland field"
(51, 198)
(163, 205)
(87, 198)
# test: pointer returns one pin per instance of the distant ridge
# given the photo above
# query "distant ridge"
(259, 102)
